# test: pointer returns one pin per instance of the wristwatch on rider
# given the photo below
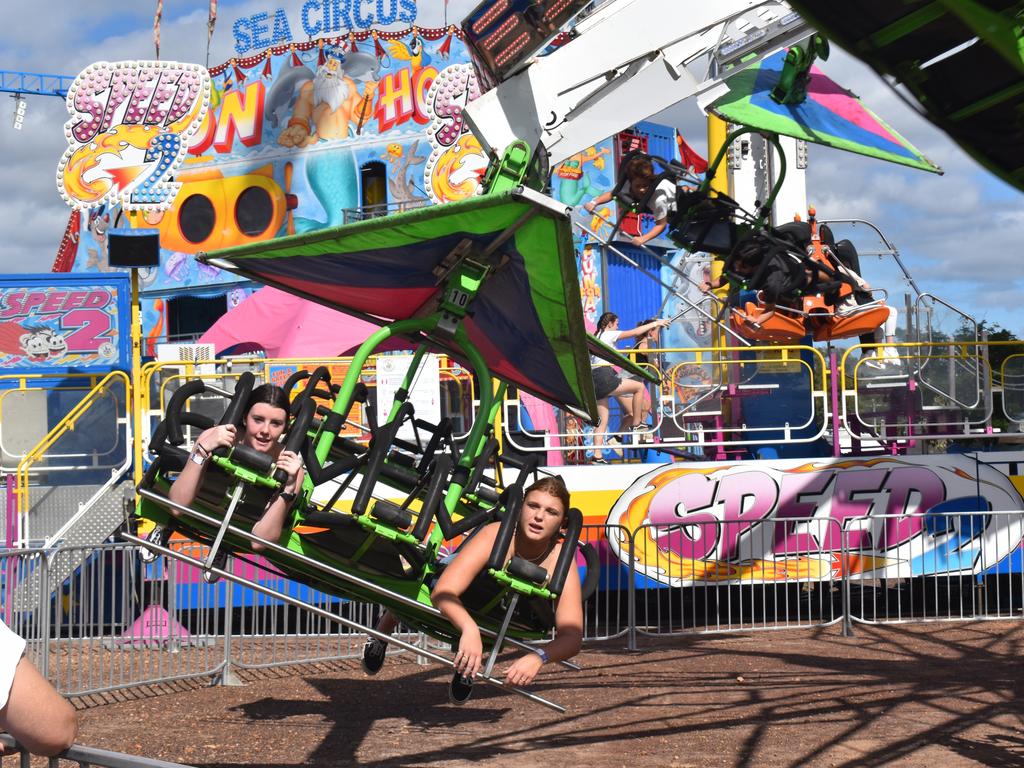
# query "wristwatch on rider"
(288, 496)
(543, 655)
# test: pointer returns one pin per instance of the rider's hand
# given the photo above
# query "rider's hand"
(220, 436)
(524, 669)
(589, 206)
(290, 462)
(471, 653)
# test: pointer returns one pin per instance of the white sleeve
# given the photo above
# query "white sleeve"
(12, 648)
(860, 281)
(659, 204)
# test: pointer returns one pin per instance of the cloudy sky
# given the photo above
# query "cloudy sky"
(959, 234)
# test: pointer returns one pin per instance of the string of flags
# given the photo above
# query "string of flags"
(237, 68)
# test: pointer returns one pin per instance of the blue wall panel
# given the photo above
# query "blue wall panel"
(632, 295)
(661, 139)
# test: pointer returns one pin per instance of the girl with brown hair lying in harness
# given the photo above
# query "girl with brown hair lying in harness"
(641, 186)
(542, 516)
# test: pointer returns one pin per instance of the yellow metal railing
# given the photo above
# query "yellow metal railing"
(66, 424)
(159, 379)
(12, 385)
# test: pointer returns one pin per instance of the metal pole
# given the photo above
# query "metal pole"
(136, 394)
(844, 551)
(834, 391)
(171, 585)
(44, 613)
(348, 623)
(496, 649)
(12, 512)
(631, 595)
(227, 675)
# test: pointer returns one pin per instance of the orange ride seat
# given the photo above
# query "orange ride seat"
(856, 323)
(755, 323)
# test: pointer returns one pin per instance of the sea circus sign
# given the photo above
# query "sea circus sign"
(318, 18)
(130, 126)
(816, 520)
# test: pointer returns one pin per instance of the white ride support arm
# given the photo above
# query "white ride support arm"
(630, 59)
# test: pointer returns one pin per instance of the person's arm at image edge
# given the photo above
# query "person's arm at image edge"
(42, 720)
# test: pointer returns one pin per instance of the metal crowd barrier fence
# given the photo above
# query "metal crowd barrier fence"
(951, 566)
(118, 622)
(707, 575)
(85, 757)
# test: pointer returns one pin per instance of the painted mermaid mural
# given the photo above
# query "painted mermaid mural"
(328, 106)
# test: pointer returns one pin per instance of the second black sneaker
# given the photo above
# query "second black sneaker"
(373, 655)
(460, 689)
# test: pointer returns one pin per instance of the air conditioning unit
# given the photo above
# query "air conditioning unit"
(188, 353)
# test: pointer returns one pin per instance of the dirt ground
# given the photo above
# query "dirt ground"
(924, 695)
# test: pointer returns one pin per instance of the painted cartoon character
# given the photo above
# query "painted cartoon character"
(57, 344)
(413, 53)
(327, 103)
(325, 106)
(573, 184)
(401, 187)
(36, 343)
(99, 223)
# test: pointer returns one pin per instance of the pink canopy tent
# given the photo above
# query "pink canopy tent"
(284, 325)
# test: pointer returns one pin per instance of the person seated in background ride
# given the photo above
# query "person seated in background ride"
(640, 177)
(849, 261)
(761, 270)
(266, 420)
(31, 709)
(777, 267)
(844, 263)
(775, 263)
(646, 341)
(608, 383)
(542, 515)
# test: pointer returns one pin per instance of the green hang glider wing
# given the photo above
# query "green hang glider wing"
(526, 319)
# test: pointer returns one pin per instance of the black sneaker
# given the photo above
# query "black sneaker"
(158, 537)
(219, 562)
(373, 655)
(460, 689)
